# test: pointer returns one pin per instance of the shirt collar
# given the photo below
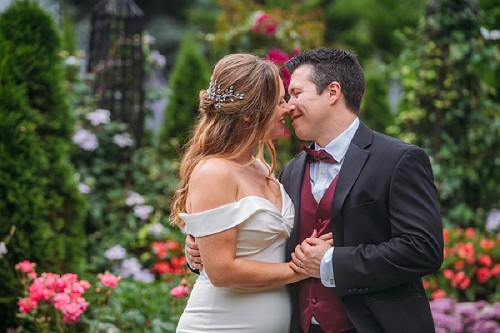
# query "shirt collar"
(338, 146)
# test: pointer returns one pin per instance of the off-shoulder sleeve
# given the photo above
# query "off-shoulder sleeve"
(224, 217)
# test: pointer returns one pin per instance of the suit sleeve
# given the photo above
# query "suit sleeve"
(416, 244)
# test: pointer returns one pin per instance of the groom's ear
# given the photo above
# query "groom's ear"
(334, 91)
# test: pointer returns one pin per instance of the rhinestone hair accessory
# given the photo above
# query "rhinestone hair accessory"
(214, 93)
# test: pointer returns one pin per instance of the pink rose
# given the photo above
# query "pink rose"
(264, 24)
(26, 305)
(26, 266)
(179, 291)
(109, 280)
(60, 300)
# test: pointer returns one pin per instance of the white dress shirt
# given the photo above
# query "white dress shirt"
(322, 175)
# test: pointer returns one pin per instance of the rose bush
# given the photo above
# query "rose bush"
(471, 267)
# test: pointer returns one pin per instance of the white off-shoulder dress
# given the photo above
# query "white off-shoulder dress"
(262, 234)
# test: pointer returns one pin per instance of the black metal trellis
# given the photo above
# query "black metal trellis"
(117, 61)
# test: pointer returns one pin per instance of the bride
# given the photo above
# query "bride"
(231, 202)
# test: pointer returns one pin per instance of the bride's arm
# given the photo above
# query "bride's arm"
(218, 253)
(212, 185)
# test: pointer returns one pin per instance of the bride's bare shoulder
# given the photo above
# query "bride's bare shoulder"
(212, 184)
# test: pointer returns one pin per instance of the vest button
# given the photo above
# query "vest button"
(320, 220)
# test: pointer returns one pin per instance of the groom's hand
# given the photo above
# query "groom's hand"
(307, 256)
(193, 253)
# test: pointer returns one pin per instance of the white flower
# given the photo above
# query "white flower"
(148, 39)
(72, 61)
(85, 139)
(123, 140)
(493, 220)
(157, 59)
(83, 188)
(490, 34)
(3, 249)
(134, 198)
(156, 229)
(99, 116)
(143, 211)
(144, 276)
(116, 252)
(130, 267)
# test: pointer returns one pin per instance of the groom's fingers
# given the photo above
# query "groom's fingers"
(308, 242)
(327, 236)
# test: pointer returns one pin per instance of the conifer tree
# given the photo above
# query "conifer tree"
(189, 75)
(53, 235)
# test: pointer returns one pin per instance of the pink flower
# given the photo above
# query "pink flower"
(26, 266)
(448, 274)
(26, 305)
(277, 56)
(60, 300)
(438, 294)
(485, 260)
(179, 291)
(72, 311)
(483, 274)
(38, 290)
(486, 244)
(109, 280)
(264, 24)
(495, 270)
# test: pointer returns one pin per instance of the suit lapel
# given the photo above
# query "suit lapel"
(354, 162)
(295, 181)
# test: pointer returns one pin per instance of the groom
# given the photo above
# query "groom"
(374, 192)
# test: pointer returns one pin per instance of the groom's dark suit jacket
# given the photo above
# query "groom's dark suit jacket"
(387, 232)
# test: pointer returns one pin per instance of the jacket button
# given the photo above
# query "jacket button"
(314, 301)
(320, 220)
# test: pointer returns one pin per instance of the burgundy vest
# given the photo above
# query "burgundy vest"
(314, 298)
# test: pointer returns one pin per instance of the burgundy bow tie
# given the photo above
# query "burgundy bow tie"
(319, 155)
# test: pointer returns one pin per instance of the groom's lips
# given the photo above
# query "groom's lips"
(295, 117)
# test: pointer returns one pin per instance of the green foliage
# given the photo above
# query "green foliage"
(39, 195)
(245, 26)
(368, 26)
(21, 186)
(449, 109)
(375, 110)
(112, 169)
(190, 75)
(136, 307)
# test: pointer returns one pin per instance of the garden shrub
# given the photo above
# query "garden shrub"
(127, 187)
(449, 109)
(42, 187)
(22, 187)
(471, 267)
(190, 75)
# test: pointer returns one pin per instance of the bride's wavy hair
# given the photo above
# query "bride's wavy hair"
(226, 128)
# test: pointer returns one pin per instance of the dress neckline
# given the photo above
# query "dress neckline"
(249, 197)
